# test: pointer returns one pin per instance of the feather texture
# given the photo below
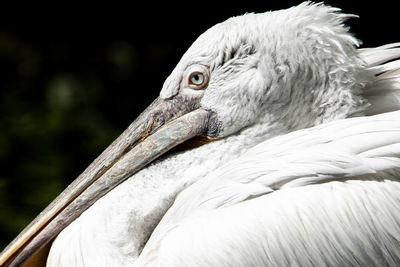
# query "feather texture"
(331, 175)
(383, 93)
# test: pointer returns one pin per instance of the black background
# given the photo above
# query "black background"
(72, 78)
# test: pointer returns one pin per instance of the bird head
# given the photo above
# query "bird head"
(297, 67)
(293, 68)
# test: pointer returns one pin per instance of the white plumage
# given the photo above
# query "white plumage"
(324, 195)
(266, 193)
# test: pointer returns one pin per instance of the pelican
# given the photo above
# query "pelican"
(274, 142)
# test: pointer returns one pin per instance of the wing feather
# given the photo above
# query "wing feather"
(383, 93)
(378, 55)
(351, 166)
(333, 151)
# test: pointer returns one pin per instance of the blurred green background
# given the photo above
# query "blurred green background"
(71, 81)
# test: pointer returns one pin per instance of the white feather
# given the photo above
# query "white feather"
(230, 207)
(353, 223)
(376, 56)
(383, 93)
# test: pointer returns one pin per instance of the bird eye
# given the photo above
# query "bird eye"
(198, 77)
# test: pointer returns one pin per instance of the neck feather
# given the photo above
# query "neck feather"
(118, 225)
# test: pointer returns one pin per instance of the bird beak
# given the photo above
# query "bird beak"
(162, 126)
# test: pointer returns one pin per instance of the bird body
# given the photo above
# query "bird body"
(301, 167)
(325, 196)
